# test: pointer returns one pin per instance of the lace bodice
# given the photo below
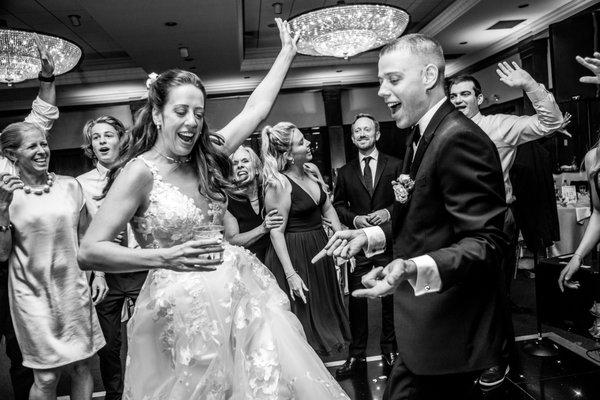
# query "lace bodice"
(172, 217)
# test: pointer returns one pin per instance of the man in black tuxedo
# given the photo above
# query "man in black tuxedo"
(364, 197)
(446, 234)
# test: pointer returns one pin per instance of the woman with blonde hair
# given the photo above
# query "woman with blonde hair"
(295, 189)
(245, 223)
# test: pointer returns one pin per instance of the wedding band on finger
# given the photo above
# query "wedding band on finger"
(5, 179)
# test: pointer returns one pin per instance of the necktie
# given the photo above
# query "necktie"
(367, 174)
(416, 134)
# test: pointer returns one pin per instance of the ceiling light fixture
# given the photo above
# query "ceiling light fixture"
(75, 19)
(19, 59)
(277, 8)
(346, 30)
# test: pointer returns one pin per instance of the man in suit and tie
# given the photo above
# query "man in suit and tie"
(446, 234)
(364, 197)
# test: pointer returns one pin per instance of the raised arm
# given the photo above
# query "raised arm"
(548, 118)
(129, 193)
(43, 111)
(261, 100)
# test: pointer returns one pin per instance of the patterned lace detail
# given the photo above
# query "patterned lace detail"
(213, 328)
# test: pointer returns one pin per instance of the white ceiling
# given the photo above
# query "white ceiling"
(124, 39)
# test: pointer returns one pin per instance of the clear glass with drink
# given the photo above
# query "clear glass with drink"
(210, 232)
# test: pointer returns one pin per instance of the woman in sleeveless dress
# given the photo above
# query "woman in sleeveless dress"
(591, 237)
(42, 217)
(297, 192)
(210, 321)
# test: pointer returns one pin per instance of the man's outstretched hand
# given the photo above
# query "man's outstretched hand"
(593, 64)
(381, 282)
(344, 244)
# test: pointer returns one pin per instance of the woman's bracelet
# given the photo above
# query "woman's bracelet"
(288, 276)
(5, 228)
(578, 255)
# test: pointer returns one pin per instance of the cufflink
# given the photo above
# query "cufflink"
(427, 287)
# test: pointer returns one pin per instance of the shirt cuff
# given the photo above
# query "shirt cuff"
(539, 94)
(99, 274)
(428, 276)
(42, 114)
(388, 213)
(354, 222)
(375, 241)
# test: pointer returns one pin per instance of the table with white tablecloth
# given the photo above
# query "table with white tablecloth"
(572, 221)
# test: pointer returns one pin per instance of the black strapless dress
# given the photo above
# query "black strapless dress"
(324, 316)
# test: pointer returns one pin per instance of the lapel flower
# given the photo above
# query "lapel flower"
(402, 188)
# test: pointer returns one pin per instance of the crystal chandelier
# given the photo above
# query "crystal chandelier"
(19, 59)
(346, 30)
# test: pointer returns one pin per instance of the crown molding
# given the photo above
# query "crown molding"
(87, 77)
(533, 28)
(453, 12)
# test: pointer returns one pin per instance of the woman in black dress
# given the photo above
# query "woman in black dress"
(591, 237)
(297, 192)
(244, 224)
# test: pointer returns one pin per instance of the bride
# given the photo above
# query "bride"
(203, 328)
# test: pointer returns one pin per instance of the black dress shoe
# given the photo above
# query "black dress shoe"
(389, 359)
(350, 367)
(494, 376)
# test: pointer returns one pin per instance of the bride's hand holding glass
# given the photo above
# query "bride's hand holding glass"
(194, 255)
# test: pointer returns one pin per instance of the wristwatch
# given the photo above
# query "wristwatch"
(46, 78)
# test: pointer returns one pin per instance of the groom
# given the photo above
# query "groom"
(446, 237)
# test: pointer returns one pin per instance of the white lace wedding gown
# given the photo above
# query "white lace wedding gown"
(225, 334)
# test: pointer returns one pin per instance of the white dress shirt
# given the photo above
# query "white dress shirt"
(93, 183)
(428, 276)
(43, 115)
(509, 131)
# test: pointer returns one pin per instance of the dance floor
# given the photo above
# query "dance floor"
(572, 374)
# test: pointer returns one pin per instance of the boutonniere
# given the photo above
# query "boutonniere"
(402, 188)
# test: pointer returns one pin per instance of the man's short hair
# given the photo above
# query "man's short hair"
(365, 115)
(465, 78)
(420, 45)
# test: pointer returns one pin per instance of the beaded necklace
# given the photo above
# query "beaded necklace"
(44, 189)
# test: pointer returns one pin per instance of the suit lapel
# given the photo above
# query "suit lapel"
(361, 178)
(428, 135)
(381, 162)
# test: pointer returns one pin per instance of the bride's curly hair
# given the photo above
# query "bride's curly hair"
(206, 154)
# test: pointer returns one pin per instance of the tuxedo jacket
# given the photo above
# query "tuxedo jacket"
(351, 197)
(455, 214)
